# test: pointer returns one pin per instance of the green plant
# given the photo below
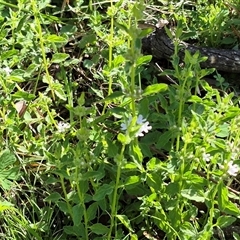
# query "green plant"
(92, 151)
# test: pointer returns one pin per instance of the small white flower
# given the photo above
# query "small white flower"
(62, 127)
(7, 70)
(232, 169)
(144, 128)
(207, 157)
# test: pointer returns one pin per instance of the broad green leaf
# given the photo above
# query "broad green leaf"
(143, 59)
(193, 194)
(225, 221)
(220, 143)
(165, 137)
(22, 21)
(102, 191)
(8, 54)
(125, 221)
(43, 4)
(236, 236)
(63, 206)
(93, 174)
(77, 212)
(152, 164)
(168, 32)
(53, 197)
(75, 230)
(112, 148)
(130, 166)
(112, 96)
(225, 205)
(99, 228)
(187, 229)
(223, 130)
(155, 88)
(69, 29)
(23, 95)
(92, 211)
(123, 139)
(132, 180)
(72, 61)
(6, 184)
(118, 60)
(133, 237)
(56, 39)
(88, 63)
(155, 182)
(59, 90)
(137, 153)
(16, 78)
(123, 27)
(47, 79)
(145, 32)
(10, 173)
(59, 57)
(83, 185)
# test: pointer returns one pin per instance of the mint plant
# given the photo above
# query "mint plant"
(93, 145)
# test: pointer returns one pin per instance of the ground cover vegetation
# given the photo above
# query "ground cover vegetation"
(94, 145)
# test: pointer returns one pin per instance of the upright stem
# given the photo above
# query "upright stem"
(115, 193)
(110, 51)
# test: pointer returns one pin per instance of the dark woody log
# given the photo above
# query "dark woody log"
(161, 46)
